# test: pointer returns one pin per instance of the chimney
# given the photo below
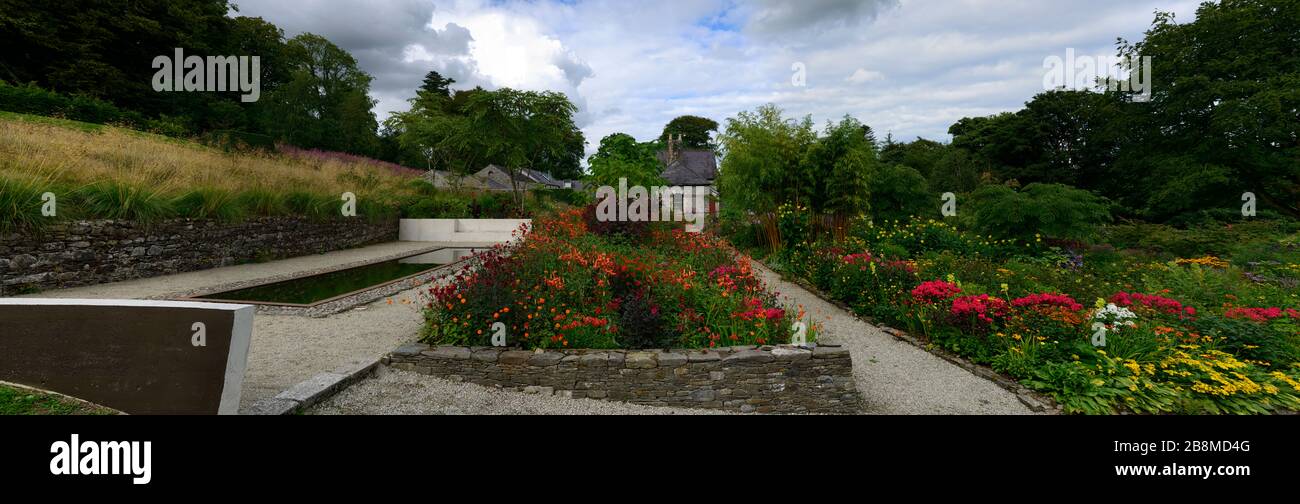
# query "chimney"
(674, 148)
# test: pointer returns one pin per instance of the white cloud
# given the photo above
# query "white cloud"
(862, 76)
(909, 67)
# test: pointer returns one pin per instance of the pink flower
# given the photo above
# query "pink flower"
(863, 258)
(1158, 303)
(1261, 314)
(935, 291)
(982, 307)
(1048, 299)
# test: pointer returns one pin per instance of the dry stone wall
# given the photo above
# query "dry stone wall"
(769, 379)
(100, 251)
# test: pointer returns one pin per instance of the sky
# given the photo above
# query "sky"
(909, 68)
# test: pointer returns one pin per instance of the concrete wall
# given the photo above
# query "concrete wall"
(460, 230)
(765, 380)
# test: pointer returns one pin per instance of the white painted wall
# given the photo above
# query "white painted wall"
(460, 230)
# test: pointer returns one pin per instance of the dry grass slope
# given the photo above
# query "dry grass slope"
(116, 173)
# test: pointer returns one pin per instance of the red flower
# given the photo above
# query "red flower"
(982, 307)
(935, 291)
(1048, 299)
(1158, 303)
(1262, 314)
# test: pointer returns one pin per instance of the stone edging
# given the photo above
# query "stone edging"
(312, 391)
(1030, 398)
(768, 379)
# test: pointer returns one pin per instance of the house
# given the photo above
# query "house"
(454, 181)
(690, 168)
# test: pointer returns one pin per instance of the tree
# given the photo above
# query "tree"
(835, 171)
(1049, 210)
(520, 129)
(920, 154)
(694, 130)
(621, 156)
(1222, 119)
(898, 192)
(959, 171)
(326, 103)
(762, 153)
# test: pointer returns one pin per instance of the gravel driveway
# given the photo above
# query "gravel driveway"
(894, 377)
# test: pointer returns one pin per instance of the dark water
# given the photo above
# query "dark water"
(313, 289)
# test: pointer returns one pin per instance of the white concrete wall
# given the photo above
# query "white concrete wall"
(460, 230)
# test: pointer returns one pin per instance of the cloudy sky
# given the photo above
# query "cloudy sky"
(906, 67)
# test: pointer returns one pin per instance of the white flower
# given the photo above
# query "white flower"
(1115, 315)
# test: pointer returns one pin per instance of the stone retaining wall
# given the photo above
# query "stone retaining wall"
(100, 251)
(745, 379)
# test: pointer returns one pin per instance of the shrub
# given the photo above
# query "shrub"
(1052, 210)
(899, 193)
(31, 99)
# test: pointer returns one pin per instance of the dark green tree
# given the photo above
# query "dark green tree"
(326, 103)
(695, 131)
(621, 156)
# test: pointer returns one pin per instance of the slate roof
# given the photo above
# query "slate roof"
(693, 167)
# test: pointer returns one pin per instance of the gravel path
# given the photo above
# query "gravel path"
(287, 349)
(894, 377)
(396, 392)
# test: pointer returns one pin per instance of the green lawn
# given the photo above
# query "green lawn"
(16, 401)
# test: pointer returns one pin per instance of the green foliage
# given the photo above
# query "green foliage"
(21, 401)
(309, 204)
(468, 130)
(762, 154)
(30, 99)
(89, 61)
(695, 131)
(597, 290)
(20, 203)
(621, 157)
(210, 203)
(898, 193)
(958, 172)
(262, 203)
(325, 104)
(1051, 210)
(921, 155)
(114, 200)
(1220, 121)
(837, 168)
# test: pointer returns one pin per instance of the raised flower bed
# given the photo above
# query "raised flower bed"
(576, 283)
(628, 312)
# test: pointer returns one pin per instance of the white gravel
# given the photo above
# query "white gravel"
(894, 377)
(396, 392)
